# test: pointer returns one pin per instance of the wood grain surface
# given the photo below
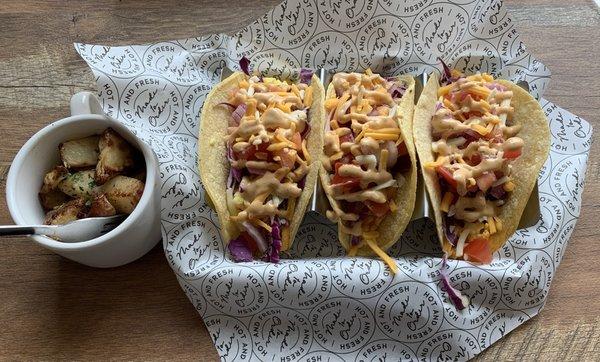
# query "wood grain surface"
(52, 308)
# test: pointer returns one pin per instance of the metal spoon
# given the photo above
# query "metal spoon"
(75, 231)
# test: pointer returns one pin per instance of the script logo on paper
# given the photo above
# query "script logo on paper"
(360, 277)
(237, 291)
(230, 337)
(280, 335)
(526, 284)
(346, 15)
(419, 267)
(437, 31)
(562, 240)
(385, 349)
(173, 62)
(489, 19)
(450, 345)
(321, 356)
(298, 285)
(180, 191)
(404, 8)
(212, 63)
(192, 105)
(409, 312)
(249, 40)
(547, 228)
(193, 247)
(498, 325)
(476, 56)
(384, 44)
(331, 51)
(342, 325)
(315, 240)
(108, 94)
(183, 146)
(570, 134)
(483, 291)
(291, 24)
(203, 43)
(119, 62)
(567, 182)
(275, 63)
(152, 103)
(194, 296)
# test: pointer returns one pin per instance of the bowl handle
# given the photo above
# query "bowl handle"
(85, 103)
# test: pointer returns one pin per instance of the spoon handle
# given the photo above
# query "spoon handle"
(8, 230)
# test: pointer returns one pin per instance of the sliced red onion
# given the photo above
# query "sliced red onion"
(276, 241)
(438, 106)
(496, 86)
(306, 130)
(355, 240)
(459, 300)
(396, 91)
(450, 236)
(306, 75)
(258, 237)
(239, 250)
(238, 113)
(245, 65)
(302, 182)
(392, 153)
(256, 171)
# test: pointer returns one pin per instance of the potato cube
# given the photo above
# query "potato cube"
(81, 152)
(123, 193)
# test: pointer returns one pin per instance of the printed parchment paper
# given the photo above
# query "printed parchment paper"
(317, 303)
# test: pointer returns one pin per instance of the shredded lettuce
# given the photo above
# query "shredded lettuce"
(239, 250)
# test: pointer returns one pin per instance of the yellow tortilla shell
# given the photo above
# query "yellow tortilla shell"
(393, 225)
(212, 152)
(535, 132)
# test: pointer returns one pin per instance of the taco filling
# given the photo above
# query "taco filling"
(474, 143)
(365, 156)
(268, 158)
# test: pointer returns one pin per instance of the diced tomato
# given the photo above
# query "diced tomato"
(250, 242)
(287, 160)
(485, 181)
(297, 139)
(250, 151)
(512, 154)
(447, 176)
(348, 184)
(474, 160)
(479, 250)
(402, 149)
(378, 209)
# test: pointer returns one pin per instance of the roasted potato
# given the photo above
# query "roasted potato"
(101, 207)
(81, 152)
(116, 156)
(70, 211)
(79, 184)
(53, 178)
(52, 199)
(123, 193)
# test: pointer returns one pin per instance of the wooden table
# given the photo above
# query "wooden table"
(52, 308)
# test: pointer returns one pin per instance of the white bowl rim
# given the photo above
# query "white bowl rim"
(151, 176)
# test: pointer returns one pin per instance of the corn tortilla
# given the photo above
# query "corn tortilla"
(393, 224)
(212, 152)
(535, 132)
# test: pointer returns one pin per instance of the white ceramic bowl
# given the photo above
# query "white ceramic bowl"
(130, 240)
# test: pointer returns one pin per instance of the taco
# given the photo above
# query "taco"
(368, 166)
(258, 142)
(481, 143)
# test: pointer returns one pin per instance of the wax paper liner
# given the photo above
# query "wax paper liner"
(317, 303)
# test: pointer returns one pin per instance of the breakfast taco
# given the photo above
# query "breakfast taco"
(259, 139)
(368, 167)
(481, 143)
